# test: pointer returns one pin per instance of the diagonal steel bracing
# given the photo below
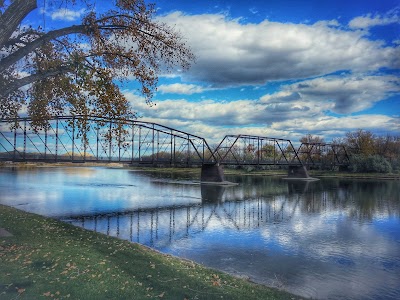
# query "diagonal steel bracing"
(132, 141)
(255, 150)
(103, 140)
(323, 154)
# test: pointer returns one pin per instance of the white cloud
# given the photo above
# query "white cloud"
(66, 14)
(368, 21)
(180, 88)
(339, 94)
(230, 53)
(292, 112)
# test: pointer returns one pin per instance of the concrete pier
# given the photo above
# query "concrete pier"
(212, 173)
(296, 171)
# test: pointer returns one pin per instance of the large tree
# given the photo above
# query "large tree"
(77, 69)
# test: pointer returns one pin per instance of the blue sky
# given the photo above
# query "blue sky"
(276, 68)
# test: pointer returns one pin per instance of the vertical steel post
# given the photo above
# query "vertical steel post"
(258, 150)
(56, 139)
(158, 145)
(140, 142)
(24, 139)
(110, 143)
(133, 140)
(188, 151)
(171, 151)
(119, 145)
(45, 143)
(97, 142)
(15, 138)
(202, 160)
(73, 137)
(174, 150)
(152, 145)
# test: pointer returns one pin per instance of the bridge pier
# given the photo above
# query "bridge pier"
(296, 171)
(212, 173)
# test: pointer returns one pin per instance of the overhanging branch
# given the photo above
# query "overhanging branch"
(16, 84)
(21, 53)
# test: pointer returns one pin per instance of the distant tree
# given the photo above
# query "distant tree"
(361, 142)
(371, 153)
(310, 149)
(309, 138)
(75, 69)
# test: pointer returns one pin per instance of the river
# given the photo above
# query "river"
(328, 239)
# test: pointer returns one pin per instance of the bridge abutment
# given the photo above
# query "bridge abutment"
(296, 171)
(212, 173)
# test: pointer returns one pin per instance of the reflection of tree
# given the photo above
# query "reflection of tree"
(363, 200)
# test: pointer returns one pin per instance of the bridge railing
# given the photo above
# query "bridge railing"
(97, 139)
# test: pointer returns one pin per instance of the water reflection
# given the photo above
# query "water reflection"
(326, 239)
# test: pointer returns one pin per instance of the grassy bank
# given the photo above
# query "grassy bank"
(46, 258)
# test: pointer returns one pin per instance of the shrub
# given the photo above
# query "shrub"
(369, 164)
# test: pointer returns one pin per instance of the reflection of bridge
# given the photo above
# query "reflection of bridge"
(98, 139)
(160, 226)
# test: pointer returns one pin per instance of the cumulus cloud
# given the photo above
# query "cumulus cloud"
(180, 88)
(367, 21)
(230, 53)
(342, 95)
(291, 112)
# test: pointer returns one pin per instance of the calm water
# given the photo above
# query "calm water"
(330, 239)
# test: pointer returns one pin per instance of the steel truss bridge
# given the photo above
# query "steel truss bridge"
(139, 142)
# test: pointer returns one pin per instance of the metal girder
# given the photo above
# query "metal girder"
(104, 140)
(255, 150)
(323, 154)
(132, 141)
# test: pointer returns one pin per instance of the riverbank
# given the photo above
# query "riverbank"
(45, 258)
(279, 173)
(192, 171)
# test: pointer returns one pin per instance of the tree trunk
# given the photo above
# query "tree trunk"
(13, 17)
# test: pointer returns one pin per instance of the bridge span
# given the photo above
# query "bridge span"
(99, 139)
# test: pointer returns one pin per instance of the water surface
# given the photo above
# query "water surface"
(330, 239)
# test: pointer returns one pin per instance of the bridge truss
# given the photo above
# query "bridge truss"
(255, 150)
(323, 154)
(104, 140)
(99, 139)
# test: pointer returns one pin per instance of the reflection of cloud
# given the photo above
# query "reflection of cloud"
(311, 241)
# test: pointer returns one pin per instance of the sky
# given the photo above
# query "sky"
(280, 69)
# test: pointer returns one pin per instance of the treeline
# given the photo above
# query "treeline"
(368, 152)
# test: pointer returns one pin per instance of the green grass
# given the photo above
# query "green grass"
(48, 259)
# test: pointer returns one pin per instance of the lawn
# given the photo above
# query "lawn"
(47, 259)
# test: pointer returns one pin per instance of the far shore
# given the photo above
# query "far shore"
(195, 171)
